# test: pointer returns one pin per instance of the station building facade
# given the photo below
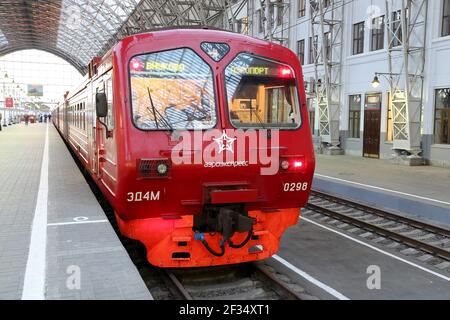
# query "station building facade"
(365, 120)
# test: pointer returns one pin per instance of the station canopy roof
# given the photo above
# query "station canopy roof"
(78, 30)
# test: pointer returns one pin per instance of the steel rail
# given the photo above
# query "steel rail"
(381, 231)
(180, 288)
(385, 214)
(281, 287)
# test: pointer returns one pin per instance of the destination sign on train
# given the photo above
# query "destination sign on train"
(163, 66)
(255, 71)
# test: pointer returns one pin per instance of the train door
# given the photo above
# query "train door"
(108, 153)
(66, 120)
(372, 122)
(97, 141)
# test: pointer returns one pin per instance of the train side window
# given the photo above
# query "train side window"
(78, 116)
(109, 97)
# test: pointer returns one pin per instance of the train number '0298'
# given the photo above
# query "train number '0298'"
(143, 196)
(295, 186)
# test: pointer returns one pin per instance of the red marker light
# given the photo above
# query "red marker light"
(286, 72)
(136, 65)
(298, 164)
(293, 164)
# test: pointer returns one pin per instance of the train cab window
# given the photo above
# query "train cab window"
(172, 90)
(261, 93)
(109, 97)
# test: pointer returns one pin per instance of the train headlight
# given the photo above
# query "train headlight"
(153, 168)
(162, 169)
(284, 164)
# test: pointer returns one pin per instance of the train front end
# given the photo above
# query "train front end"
(216, 152)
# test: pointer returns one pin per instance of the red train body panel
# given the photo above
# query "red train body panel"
(196, 197)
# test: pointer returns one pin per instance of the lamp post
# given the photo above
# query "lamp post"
(389, 77)
(5, 124)
(18, 98)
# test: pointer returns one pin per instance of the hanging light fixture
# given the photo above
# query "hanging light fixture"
(376, 82)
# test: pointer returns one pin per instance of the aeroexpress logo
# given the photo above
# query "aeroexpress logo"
(228, 148)
(225, 143)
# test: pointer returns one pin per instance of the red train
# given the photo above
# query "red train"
(200, 141)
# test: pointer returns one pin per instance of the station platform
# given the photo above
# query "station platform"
(419, 192)
(55, 240)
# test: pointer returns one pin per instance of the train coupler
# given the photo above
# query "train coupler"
(227, 222)
(224, 220)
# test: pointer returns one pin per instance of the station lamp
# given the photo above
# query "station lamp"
(376, 82)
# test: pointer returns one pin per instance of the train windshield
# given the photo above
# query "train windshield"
(172, 90)
(261, 93)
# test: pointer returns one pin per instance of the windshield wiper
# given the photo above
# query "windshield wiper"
(257, 117)
(155, 111)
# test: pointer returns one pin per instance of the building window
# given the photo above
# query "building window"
(301, 8)
(312, 49)
(301, 51)
(354, 116)
(260, 21)
(358, 38)
(377, 39)
(271, 14)
(442, 117)
(327, 36)
(446, 18)
(396, 25)
(238, 26)
(279, 12)
(312, 114)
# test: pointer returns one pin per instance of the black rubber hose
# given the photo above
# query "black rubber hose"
(217, 254)
(243, 243)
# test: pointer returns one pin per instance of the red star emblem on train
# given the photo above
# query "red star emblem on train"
(225, 142)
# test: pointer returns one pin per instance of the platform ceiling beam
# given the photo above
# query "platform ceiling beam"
(78, 30)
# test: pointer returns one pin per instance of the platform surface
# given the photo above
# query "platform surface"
(342, 262)
(83, 257)
(422, 192)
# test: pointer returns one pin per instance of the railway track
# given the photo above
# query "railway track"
(428, 243)
(236, 282)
